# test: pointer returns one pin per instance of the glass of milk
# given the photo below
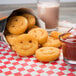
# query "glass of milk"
(48, 11)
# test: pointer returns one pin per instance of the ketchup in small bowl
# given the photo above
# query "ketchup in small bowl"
(69, 47)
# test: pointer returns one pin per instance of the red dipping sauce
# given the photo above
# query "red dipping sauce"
(69, 48)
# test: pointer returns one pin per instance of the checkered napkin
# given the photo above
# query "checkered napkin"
(13, 65)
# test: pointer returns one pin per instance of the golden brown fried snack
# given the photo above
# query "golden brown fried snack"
(31, 20)
(10, 39)
(25, 45)
(55, 34)
(35, 26)
(52, 42)
(17, 25)
(40, 34)
(66, 35)
(47, 54)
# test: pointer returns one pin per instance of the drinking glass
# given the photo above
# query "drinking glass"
(68, 47)
(48, 11)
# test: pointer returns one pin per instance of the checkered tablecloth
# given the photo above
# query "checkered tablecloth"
(13, 65)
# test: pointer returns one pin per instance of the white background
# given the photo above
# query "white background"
(26, 1)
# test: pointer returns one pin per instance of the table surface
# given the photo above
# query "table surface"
(67, 10)
(13, 65)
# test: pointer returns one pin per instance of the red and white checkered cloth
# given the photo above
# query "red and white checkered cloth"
(13, 65)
